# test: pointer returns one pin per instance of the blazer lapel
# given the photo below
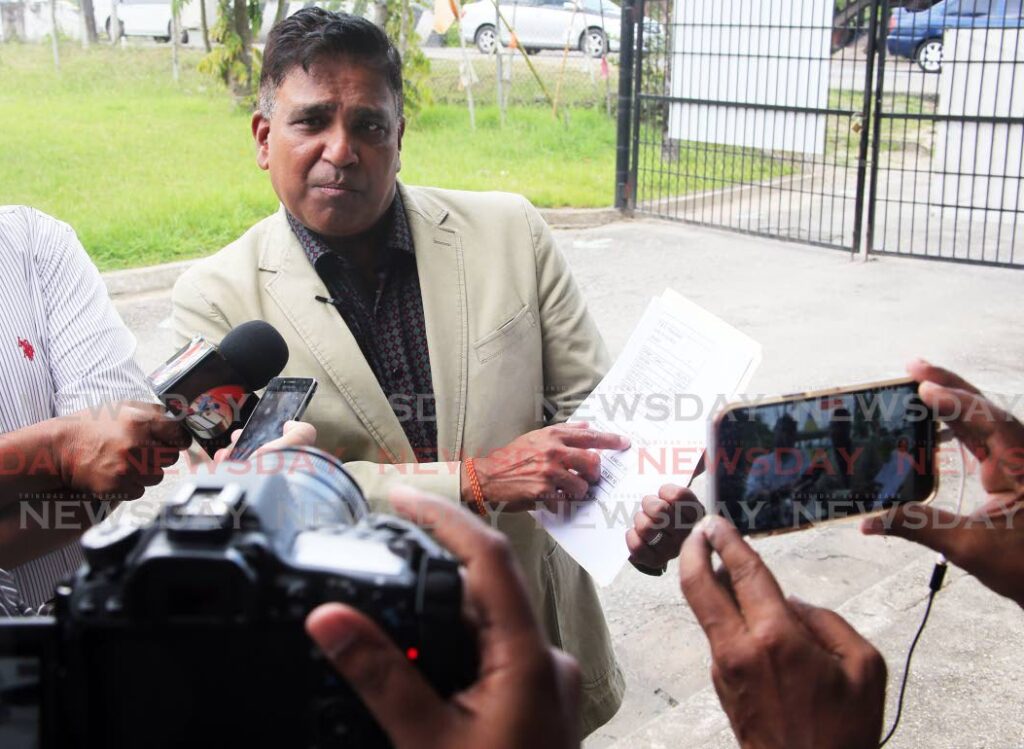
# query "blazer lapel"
(293, 287)
(442, 274)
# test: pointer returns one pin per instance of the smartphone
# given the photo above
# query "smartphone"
(285, 399)
(787, 463)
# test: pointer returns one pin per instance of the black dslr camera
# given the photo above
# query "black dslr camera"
(189, 632)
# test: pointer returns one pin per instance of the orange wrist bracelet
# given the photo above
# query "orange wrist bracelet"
(479, 504)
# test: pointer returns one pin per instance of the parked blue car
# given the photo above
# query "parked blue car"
(918, 35)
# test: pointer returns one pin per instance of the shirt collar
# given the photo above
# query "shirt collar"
(396, 237)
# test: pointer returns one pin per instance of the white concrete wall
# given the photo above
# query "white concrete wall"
(981, 165)
(751, 52)
(37, 21)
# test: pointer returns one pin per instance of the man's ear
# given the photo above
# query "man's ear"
(261, 134)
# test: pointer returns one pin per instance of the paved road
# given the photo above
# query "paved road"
(822, 320)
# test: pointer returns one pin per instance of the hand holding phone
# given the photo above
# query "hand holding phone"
(988, 542)
(789, 462)
(284, 400)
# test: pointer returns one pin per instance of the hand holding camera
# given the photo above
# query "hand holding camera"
(527, 694)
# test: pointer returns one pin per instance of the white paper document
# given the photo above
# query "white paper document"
(679, 365)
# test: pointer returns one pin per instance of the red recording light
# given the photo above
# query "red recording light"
(412, 654)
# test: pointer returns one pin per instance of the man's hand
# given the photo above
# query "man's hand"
(788, 674)
(988, 543)
(117, 450)
(295, 434)
(528, 693)
(547, 467)
(662, 525)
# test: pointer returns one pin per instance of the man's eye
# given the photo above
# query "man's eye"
(309, 122)
(373, 127)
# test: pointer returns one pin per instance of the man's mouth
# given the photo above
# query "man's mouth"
(335, 188)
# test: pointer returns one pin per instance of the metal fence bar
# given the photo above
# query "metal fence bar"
(862, 155)
(624, 186)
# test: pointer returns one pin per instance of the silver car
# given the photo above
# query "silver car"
(591, 26)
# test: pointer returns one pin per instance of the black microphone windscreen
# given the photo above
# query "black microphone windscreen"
(256, 351)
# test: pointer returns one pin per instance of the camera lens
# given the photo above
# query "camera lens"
(319, 476)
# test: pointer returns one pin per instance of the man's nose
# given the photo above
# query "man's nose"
(340, 149)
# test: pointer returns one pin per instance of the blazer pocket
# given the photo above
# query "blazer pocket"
(509, 332)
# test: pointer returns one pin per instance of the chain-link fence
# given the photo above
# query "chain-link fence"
(547, 53)
(543, 79)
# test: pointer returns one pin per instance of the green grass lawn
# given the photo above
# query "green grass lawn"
(148, 171)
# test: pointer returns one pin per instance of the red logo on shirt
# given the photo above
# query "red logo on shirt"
(27, 349)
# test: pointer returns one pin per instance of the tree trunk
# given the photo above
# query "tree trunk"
(380, 12)
(403, 33)
(175, 41)
(205, 26)
(281, 13)
(82, 28)
(244, 30)
(13, 21)
(89, 15)
(114, 26)
(53, 33)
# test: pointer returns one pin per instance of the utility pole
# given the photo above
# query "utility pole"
(53, 34)
(84, 26)
(497, 56)
(175, 39)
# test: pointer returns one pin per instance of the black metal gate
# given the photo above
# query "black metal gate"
(839, 123)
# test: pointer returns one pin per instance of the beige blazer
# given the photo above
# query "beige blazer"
(507, 330)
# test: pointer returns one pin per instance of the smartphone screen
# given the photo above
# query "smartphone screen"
(285, 399)
(803, 460)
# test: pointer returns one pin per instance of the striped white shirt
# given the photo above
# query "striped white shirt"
(63, 347)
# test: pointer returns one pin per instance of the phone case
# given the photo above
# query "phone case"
(711, 505)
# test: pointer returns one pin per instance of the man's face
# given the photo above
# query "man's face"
(332, 146)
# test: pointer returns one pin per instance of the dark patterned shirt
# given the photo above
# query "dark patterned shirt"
(387, 322)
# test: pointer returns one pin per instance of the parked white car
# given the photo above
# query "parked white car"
(591, 26)
(145, 18)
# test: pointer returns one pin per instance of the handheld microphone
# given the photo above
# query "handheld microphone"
(211, 387)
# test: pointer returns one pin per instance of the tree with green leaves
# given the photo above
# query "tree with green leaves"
(235, 61)
(399, 24)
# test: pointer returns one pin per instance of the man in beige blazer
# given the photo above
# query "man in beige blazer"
(379, 286)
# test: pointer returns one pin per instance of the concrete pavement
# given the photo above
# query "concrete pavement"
(822, 320)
